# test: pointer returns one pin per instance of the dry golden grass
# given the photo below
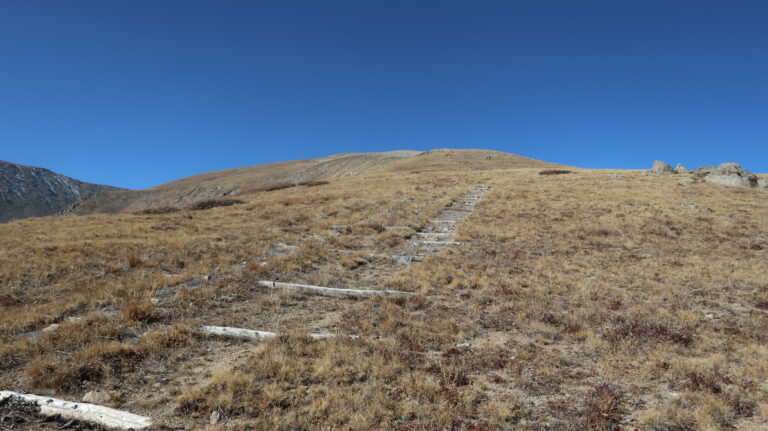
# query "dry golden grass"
(575, 302)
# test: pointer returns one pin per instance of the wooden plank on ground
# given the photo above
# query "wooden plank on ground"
(332, 291)
(251, 335)
(90, 413)
(440, 242)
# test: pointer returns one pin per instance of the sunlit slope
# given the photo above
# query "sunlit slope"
(464, 160)
(235, 181)
(592, 300)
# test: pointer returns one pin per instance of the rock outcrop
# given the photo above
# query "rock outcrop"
(662, 168)
(27, 191)
(732, 174)
(702, 171)
(727, 174)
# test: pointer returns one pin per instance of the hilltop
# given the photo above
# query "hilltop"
(179, 193)
(28, 191)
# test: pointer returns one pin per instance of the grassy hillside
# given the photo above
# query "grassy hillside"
(181, 193)
(580, 301)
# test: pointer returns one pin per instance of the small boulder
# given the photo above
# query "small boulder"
(662, 168)
(680, 169)
(686, 181)
(763, 183)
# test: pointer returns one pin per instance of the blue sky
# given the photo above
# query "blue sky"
(138, 93)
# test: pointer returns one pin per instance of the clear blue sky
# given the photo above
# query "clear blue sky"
(138, 93)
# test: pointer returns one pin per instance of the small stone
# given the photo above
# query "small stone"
(215, 417)
(615, 176)
(51, 327)
(763, 183)
(463, 345)
(689, 205)
(686, 181)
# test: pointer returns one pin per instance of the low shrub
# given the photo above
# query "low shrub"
(554, 172)
(213, 203)
(161, 210)
(267, 188)
(313, 183)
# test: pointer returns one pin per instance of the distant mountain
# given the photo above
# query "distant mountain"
(182, 192)
(26, 191)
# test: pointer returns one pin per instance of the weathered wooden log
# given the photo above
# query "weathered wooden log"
(239, 333)
(435, 234)
(439, 242)
(85, 412)
(251, 335)
(332, 291)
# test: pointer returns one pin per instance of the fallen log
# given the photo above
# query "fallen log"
(332, 291)
(85, 412)
(251, 335)
(435, 234)
(440, 242)
(239, 333)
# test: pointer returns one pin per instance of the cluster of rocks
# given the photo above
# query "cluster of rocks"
(727, 174)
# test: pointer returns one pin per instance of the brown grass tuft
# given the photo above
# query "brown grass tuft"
(144, 312)
(604, 408)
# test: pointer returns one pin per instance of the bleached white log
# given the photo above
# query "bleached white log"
(251, 335)
(440, 242)
(332, 291)
(239, 333)
(85, 412)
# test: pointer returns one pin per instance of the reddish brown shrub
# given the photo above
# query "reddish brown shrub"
(554, 172)
(213, 203)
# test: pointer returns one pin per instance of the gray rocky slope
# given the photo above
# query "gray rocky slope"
(27, 191)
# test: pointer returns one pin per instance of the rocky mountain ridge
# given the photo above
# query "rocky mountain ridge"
(27, 191)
